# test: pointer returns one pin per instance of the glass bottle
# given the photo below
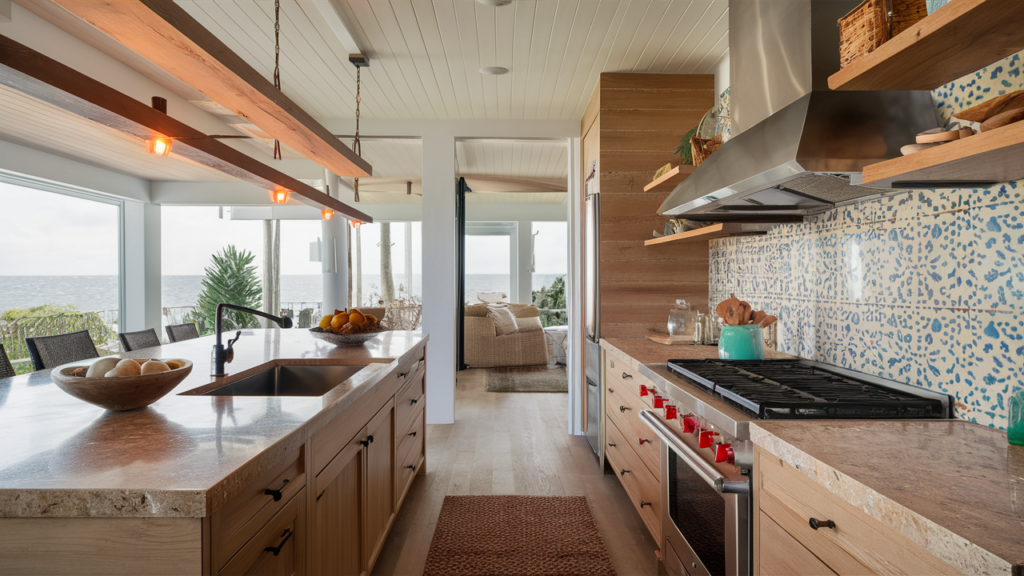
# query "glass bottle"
(1015, 425)
(680, 320)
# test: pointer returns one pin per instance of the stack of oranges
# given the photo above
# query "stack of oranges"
(349, 322)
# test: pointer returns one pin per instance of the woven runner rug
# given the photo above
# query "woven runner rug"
(527, 379)
(517, 535)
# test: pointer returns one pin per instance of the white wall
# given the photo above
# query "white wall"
(722, 75)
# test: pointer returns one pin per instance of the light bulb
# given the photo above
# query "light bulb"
(327, 213)
(356, 223)
(159, 146)
(280, 195)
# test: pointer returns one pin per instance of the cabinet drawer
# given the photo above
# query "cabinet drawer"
(643, 487)
(279, 548)
(409, 400)
(620, 377)
(858, 544)
(784, 556)
(245, 514)
(625, 409)
(408, 457)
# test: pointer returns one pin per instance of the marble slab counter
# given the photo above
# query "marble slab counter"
(954, 487)
(184, 455)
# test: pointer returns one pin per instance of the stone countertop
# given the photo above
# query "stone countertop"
(954, 487)
(184, 455)
(644, 351)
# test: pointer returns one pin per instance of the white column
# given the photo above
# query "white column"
(573, 294)
(439, 312)
(141, 308)
(525, 260)
(334, 254)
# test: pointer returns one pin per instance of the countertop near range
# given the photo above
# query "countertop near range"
(644, 351)
(184, 455)
(954, 487)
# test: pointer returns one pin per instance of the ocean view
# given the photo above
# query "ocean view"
(88, 293)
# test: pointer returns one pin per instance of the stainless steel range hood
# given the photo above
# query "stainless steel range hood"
(807, 154)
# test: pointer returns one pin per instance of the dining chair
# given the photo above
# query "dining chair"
(182, 332)
(52, 351)
(6, 370)
(138, 340)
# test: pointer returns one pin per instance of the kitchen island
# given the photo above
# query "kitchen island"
(207, 484)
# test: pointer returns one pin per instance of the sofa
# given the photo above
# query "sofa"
(485, 349)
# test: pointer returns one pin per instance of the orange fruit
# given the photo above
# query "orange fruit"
(325, 322)
(371, 319)
(348, 329)
(339, 320)
(356, 317)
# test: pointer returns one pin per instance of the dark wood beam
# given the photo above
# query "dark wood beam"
(163, 33)
(39, 76)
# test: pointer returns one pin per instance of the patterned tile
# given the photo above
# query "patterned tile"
(997, 258)
(945, 238)
(997, 364)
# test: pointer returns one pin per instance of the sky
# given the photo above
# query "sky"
(42, 233)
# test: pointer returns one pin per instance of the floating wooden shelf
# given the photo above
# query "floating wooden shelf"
(962, 37)
(988, 157)
(712, 232)
(671, 178)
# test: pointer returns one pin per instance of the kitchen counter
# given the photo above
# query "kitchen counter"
(183, 456)
(953, 487)
(644, 351)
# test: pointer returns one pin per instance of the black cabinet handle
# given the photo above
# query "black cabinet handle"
(401, 374)
(370, 438)
(642, 504)
(644, 441)
(276, 493)
(611, 444)
(415, 400)
(815, 523)
(364, 442)
(624, 408)
(412, 433)
(623, 472)
(411, 467)
(625, 376)
(287, 534)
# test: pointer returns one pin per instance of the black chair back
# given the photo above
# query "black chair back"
(182, 332)
(138, 340)
(6, 370)
(52, 351)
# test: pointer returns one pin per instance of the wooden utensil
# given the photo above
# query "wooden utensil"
(1000, 120)
(915, 148)
(938, 135)
(998, 105)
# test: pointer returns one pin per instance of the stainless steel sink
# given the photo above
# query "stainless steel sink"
(289, 381)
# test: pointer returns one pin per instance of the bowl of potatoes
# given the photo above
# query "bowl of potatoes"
(121, 383)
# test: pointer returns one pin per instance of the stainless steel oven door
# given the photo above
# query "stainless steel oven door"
(705, 516)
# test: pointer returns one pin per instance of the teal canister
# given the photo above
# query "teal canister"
(1015, 423)
(741, 343)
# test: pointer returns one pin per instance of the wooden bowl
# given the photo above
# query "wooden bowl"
(119, 392)
(344, 340)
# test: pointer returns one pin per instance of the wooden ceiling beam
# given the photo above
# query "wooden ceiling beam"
(39, 76)
(163, 33)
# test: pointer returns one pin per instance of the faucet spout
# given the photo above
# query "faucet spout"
(221, 354)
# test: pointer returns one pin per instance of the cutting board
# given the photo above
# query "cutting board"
(669, 340)
(990, 108)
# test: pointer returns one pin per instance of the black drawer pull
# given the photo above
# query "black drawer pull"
(815, 523)
(276, 493)
(401, 374)
(287, 534)
(624, 408)
(364, 442)
(411, 467)
(415, 400)
(625, 376)
(644, 441)
(370, 438)
(611, 444)
(642, 504)
(610, 391)
(623, 472)
(412, 433)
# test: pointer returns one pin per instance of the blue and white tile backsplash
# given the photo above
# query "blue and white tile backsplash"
(923, 286)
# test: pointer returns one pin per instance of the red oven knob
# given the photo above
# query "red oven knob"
(689, 425)
(670, 412)
(725, 453)
(659, 402)
(643, 390)
(707, 438)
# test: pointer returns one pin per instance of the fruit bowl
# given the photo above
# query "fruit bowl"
(345, 340)
(119, 392)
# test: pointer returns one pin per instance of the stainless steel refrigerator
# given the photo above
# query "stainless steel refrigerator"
(592, 310)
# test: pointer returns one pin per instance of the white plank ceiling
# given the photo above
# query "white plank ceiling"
(425, 54)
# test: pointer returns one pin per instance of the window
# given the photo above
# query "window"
(369, 258)
(550, 266)
(490, 259)
(60, 261)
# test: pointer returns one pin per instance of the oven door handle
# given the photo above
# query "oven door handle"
(692, 459)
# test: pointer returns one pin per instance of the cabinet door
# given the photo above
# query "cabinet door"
(279, 548)
(338, 548)
(380, 493)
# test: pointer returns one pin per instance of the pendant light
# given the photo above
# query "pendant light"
(359, 60)
(327, 213)
(280, 195)
(356, 224)
(159, 146)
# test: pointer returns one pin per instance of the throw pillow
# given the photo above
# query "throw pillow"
(504, 320)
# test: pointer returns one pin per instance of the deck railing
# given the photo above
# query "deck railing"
(101, 324)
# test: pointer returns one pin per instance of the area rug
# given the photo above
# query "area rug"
(517, 535)
(527, 379)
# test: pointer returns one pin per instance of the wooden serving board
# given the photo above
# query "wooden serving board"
(669, 340)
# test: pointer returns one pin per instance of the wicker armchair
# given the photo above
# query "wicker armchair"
(138, 340)
(485, 349)
(6, 370)
(52, 351)
(182, 332)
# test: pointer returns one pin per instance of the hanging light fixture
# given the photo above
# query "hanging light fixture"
(357, 223)
(280, 195)
(277, 66)
(159, 146)
(327, 213)
(360, 61)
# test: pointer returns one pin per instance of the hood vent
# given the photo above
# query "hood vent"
(807, 145)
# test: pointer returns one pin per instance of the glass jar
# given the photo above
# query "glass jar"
(1015, 424)
(681, 319)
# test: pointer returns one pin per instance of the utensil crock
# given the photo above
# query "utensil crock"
(741, 343)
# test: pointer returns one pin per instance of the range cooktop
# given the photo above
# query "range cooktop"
(799, 389)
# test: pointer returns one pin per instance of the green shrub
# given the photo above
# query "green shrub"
(552, 298)
(231, 279)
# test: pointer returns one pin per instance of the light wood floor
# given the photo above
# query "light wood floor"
(512, 444)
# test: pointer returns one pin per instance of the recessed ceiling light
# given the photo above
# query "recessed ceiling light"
(494, 70)
(495, 3)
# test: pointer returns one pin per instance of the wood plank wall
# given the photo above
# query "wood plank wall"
(631, 127)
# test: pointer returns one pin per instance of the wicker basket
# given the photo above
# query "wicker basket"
(705, 141)
(873, 23)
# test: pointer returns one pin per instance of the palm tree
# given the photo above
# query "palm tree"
(231, 279)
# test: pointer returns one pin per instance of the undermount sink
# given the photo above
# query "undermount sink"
(289, 381)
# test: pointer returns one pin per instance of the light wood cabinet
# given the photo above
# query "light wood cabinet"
(279, 548)
(338, 546)
(846, 540)
(380, 469)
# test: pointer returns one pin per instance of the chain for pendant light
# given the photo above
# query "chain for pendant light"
(277, 64)
(357, 146)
